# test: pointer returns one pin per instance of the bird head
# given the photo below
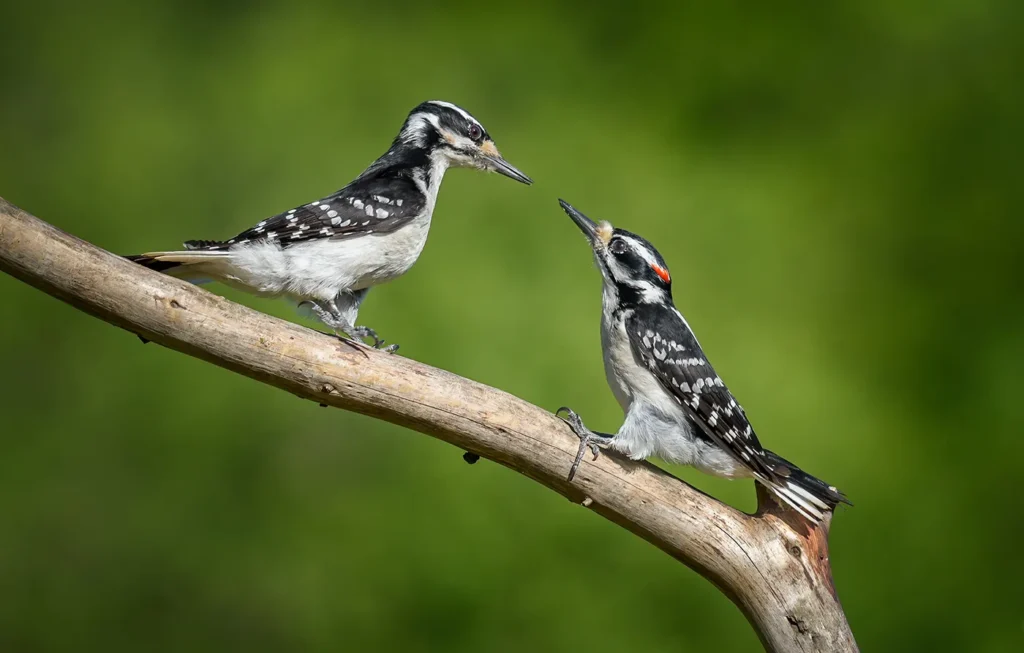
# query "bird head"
(451, 133)
(631, 266)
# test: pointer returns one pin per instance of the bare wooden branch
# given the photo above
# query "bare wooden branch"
(772, 564)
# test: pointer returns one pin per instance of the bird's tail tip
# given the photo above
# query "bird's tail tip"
(808, 495)
(152, 263)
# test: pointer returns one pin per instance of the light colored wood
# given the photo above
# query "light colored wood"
(772, 565)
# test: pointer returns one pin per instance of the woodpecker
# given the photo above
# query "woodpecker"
(327, 254)
(676, 406)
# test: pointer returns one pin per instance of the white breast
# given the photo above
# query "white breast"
(617, 360)
(627, 378)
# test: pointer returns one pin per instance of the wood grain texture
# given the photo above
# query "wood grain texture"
(773, 565)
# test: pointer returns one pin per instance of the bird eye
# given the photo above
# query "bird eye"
(617, 246)
(475, 132)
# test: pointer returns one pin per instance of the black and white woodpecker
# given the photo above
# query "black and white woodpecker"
(676, 406)
(328, 254)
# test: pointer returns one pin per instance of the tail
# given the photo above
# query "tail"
(147, 261)
(809, 496)
(186, 264)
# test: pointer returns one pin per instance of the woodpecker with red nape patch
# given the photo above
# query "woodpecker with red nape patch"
(328, 254)
(677, 407)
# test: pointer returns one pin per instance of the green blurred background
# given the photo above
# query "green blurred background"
(836, 187)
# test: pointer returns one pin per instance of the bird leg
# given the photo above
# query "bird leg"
(588, 439)
(332, 317)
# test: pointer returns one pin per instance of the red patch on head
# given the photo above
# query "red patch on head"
(661, 272)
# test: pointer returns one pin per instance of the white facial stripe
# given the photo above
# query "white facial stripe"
(638, 247)
(460, 142)
(462, 112)
(649, 291)
(416, 127)
(618, 272)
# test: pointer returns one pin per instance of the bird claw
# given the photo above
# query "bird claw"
(588, 439)
(378, 343)
(350, 335)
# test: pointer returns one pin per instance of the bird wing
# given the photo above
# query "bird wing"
(663, 342)
(373, 206)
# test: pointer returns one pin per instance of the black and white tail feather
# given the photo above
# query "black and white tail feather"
(677, 407)
(809, 496)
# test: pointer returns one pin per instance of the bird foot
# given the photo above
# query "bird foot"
(367, 332)
(350, 335)
(588, 439)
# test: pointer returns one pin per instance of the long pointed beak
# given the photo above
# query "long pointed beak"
(495, 162)
(586, 225)
(503, 167)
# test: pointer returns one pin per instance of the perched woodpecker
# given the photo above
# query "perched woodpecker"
(676, 406)
(328, 254)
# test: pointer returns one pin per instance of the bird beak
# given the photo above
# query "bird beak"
(586, 225)
(495, 162)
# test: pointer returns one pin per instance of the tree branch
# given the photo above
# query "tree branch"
(773, 565)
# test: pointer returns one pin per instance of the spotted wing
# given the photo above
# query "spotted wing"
(663, 342)
(375, 206)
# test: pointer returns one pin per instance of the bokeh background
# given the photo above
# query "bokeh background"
(836, 187)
